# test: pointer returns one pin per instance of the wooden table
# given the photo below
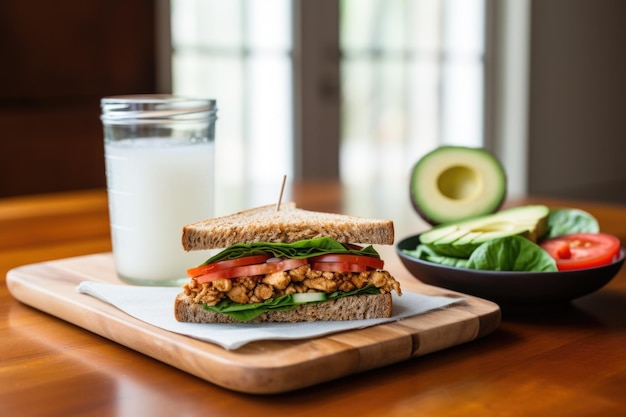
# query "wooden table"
(570, 361)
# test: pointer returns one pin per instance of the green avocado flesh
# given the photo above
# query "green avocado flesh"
(460, 239)
(454, 183)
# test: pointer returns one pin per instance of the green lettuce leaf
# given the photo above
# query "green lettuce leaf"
(247, 312)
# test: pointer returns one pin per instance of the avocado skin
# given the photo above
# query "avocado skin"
(491, 203)
(460, 239)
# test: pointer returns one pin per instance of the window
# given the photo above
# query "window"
(238, 52)
(412, 77)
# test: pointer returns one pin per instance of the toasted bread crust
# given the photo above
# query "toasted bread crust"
(355, 307)
(287, 225)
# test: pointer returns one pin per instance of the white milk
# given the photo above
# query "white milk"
(155, 187)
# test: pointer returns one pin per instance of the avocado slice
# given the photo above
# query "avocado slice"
(460, 239)
(453, 183)
(449, 241)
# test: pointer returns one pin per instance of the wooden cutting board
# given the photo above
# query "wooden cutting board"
(263, 367)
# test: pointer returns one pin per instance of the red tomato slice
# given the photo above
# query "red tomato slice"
(338, 267)
(253, 270)
(582, 250)
(367, 261)
(218, 266)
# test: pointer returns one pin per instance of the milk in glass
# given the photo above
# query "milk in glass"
(155, 187)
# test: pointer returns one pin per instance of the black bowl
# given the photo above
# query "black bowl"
(508, 287)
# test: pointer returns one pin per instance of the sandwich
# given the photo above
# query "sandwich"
(287, 265)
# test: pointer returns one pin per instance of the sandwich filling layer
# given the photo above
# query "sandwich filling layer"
(259, 288)
(313, 271)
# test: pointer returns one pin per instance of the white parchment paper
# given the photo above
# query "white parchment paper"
(155, 305)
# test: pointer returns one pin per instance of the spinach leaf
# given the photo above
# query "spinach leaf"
(302, 249)
(564, 221)
(511, 253)
(426, 253)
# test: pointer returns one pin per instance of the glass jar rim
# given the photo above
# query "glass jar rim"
(153, 99)
(155, 106)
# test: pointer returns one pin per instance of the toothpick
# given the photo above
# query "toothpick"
(280, 197)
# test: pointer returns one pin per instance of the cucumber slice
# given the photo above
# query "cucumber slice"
(308, 297)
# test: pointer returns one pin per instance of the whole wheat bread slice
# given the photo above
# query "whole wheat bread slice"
(287, 225)
(356, 307)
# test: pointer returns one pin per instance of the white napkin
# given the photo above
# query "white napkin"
(155, 305)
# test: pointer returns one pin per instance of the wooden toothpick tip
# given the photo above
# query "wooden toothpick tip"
(280, 197)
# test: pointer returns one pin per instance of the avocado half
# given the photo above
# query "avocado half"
(453, 183)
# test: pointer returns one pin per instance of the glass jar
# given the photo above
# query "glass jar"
(160, 155)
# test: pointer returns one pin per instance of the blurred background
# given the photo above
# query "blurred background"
(318, 89)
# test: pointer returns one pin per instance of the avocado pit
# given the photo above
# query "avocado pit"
(459, 183)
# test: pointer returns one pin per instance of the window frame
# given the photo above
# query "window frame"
(317, 89)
